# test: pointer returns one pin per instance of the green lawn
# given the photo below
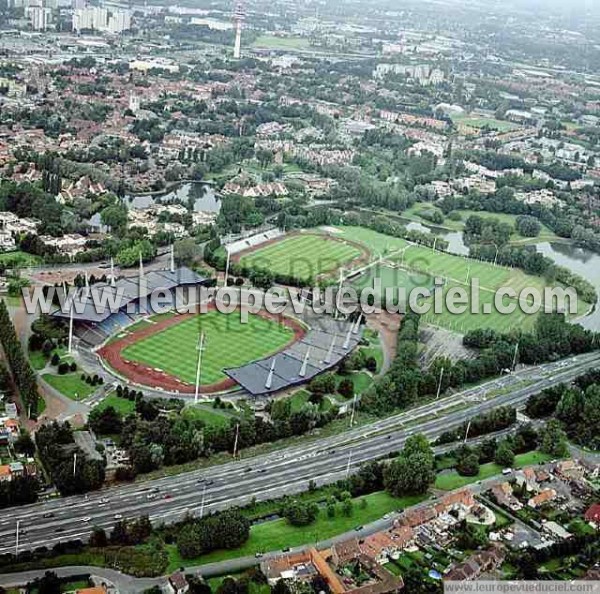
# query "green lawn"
(417, 265)
(452, 480)
(284, 43)
(415, 211)
(228, 343)
(210, 416)
(70, 385)
(304, 256)
(479, 122)
(361, 380)
(278, 534)
(378, 243)
(38, 360)
(18, 260)
(123, 406)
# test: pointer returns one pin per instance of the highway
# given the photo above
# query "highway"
(272, 475)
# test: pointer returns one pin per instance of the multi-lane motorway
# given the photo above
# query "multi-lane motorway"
(271, 475)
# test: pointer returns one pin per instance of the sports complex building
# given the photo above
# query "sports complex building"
(160, 352)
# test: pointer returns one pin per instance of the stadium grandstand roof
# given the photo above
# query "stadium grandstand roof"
(126, 291)
(320, 349)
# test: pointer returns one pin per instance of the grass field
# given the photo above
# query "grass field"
(284, 43)
(418, 264)
(122, 405)
(278, 534)
(452, 480)
(391, 277)
(19, 260)
(414, 213)
(479, 122)
(70, 385)
(303, 256)
(229, 343)
(207, 414)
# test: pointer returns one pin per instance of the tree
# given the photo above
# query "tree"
(467, 463)
(504, 455)
(322, 384)
(409, 475)
(299, 513)
(115, 217)
(98, 538)
(528, 226)
(553, 440)
(49, 584)
(105, 421)
(346, 388)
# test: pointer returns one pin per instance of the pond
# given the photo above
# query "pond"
(202, 195)
(583, 262)
(456, 244)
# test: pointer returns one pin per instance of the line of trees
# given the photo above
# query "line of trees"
(498, 419)
(575, 407)
(225, 530)
(405, 382)
(23, 375)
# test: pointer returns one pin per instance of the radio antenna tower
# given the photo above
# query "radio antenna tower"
(238, 18)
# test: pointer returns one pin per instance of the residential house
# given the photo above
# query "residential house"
(504, 496)
(556, 531)
(541, 498)
(5, 476)
(527, 477)
(477, 564)
(178, 583)
(592, 516)
(569, 469)
(71, 244)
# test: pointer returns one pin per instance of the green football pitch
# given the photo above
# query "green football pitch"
(415, 265)
(304, 256)
(228, 343)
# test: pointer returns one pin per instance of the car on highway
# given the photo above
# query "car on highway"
(167, 496)
(48, 515)
(118, 517)
(258, 555)
(86, 519)
(359, 528)
(104, 500)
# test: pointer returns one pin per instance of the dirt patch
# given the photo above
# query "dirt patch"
(143, 375)
(388, 325)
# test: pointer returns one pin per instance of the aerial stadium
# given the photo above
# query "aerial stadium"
(201, 351)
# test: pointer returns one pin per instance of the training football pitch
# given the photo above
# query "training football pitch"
(228, 343)
(415, 265)
(305, 256)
